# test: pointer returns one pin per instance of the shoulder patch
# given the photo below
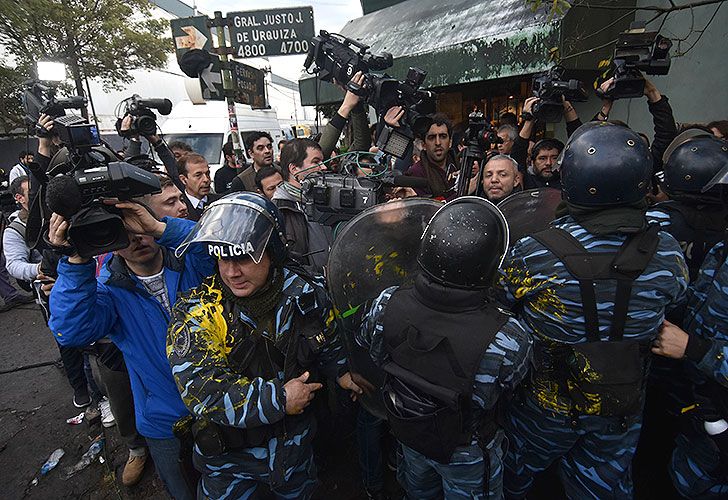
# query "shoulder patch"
(182, 341)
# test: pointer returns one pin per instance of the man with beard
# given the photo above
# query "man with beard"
(436, 164)
(260, 149)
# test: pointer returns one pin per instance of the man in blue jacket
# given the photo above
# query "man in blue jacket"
(132, 306)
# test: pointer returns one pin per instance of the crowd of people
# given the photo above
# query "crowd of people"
(596, 344)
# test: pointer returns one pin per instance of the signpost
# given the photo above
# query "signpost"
(249, 85)
(194, 33)
(275, 32)
(257, 33)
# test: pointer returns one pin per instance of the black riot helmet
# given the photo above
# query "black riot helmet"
(605, 164)
(464, 243)
(691, 161)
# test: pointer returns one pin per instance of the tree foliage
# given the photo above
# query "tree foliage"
(103, 39)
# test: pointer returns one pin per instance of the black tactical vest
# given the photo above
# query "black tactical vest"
(696, 229)
(435, 338)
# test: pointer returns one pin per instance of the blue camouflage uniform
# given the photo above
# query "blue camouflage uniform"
(503, 366)
(595, 452)
(199, 342)
(695, 468)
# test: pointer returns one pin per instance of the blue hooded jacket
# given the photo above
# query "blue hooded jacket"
(118, 306)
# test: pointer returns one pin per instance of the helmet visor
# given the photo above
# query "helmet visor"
(232, 229)
(719, 178)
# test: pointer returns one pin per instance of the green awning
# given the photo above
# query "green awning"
(455, 42)
(465, 41)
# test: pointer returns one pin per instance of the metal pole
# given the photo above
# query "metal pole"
(227, 84)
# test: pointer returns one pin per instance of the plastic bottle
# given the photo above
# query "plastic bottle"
(52, 461)
(86, 458)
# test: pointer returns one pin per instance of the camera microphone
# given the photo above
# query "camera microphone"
(63, 196)
(164, 106)
(409, 181)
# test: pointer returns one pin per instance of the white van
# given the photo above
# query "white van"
(205, 127)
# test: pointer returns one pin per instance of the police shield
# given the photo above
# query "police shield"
(375, 250)
(530, 211)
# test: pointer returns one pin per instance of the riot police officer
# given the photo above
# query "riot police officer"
(696, 218)
(699, 464)
(449, 355)
(245, 347)
(592, 289)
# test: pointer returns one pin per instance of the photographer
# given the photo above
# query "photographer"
(164, 152)
(308, 242)
(132, 306)
(351, 106)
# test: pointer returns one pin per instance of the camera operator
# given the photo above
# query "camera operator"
(658, 106)
(308, 241)
(260, 148)
(507, 134)
(350, 107)
(132, 306)
(437, 162)
(163, 151)
(24, 264)
(544, 153)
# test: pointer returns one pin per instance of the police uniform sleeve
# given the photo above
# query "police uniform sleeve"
(512, 276)
(710, 356)
(371, 332)
(332, 358)
(197, 349)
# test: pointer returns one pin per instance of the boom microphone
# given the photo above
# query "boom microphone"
(63, 196)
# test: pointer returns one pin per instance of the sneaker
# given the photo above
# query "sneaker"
(133, 470)
(107, 418)
(81, 399)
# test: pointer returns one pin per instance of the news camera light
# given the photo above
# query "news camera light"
(51, 71)
(394, 142)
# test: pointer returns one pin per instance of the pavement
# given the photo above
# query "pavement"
(36, 400)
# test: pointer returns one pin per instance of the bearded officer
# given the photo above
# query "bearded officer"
(450, 355)
(592, 289)
(245, 348)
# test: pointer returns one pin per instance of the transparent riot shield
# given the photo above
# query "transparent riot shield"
(530, 211)
(373, 251)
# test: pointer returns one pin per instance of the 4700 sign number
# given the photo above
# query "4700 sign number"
(287, 47)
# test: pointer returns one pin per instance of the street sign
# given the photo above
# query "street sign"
(275, 32)
(190, 33)
(194, 33)
(249, 85)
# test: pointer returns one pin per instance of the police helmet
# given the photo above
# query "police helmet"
(691, 161)
(239, 225)
(464, 243)
(604, 164)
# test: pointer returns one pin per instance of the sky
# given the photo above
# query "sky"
(329, 15)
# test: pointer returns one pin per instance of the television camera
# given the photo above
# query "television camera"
(144, 121)
(480, 137)
(637, 51)
(551, 88)
(338, 58)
